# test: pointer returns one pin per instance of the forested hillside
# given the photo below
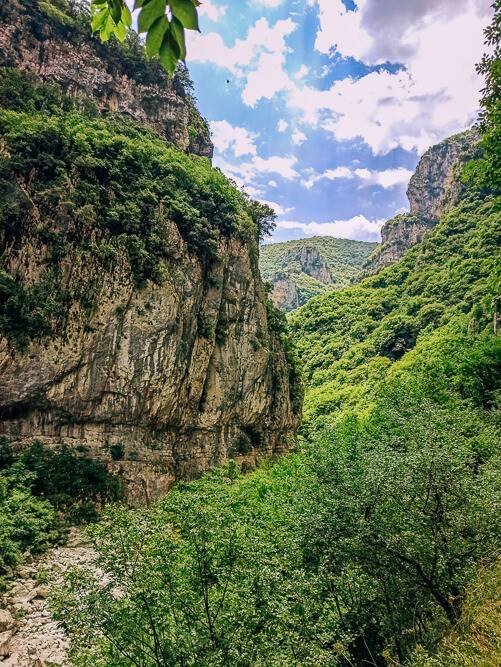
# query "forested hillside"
(299, 270)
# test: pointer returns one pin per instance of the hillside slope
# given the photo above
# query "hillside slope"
(349, 340)
(364, 545)
(299, 270)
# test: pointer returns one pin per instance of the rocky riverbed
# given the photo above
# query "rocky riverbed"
(29, 636)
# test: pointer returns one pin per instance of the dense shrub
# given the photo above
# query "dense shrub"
(41, 491)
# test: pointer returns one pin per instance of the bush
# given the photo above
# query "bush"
(27, 523)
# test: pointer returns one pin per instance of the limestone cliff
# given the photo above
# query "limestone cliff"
(434, 188)
(41, 37)
(133, 319)
(183, 375)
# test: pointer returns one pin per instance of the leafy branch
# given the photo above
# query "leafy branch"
(163, 21)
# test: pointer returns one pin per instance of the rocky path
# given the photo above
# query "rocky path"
(29, 637)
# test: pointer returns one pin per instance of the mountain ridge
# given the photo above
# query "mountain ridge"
(301, 269)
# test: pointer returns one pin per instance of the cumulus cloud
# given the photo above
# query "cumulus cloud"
(387, 178)
(358, 228)
(261, 38)
(436, 91)
(302, 72)
(213, 11)
(282, 125)
(298, 137)
(245, 173)
(269, 3)
(227, 137)
(278, 208)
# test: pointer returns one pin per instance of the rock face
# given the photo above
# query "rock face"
(434, 188)
(182, 375)
(285, 293)
(39, 38)
(29, 636)
(313, 264)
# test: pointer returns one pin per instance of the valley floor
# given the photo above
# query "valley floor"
(29, 636)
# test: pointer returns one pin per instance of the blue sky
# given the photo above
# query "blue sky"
(323, 107)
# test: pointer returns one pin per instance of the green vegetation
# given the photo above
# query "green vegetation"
(349, 340)
(363, 546)
(476, 640)
(377, 541)
(341, 258)
(43, 490)
(163, 21)
(95, 190)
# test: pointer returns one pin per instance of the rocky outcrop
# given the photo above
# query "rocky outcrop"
(284, 292)
(40, 38)
(306, 260)
(434, 188)
(313, 264)
(397, 236)
(163, 377)
(181, 375)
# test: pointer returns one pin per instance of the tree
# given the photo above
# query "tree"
(163, 21)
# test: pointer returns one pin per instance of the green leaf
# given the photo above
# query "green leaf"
(140, 3)
(116, 11)
(155, 36)
(99, 19)
(107, 29)
(120, 32)
(177, 31)
(185, 11)
(126, 17)
(150, 13)
(168, 56)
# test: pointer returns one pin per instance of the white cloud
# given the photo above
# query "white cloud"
(261, 38)
(245, 173)
(273, 184)
(227, 137)
(278, 208)
(212, 11)
(358, 228)
(387, 178)
(282, 125)
(269, 3)
(267, 79)
(298, 137)
(435, 93)
(302, 72)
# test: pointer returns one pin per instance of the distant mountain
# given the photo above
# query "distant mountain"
(300, 270)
